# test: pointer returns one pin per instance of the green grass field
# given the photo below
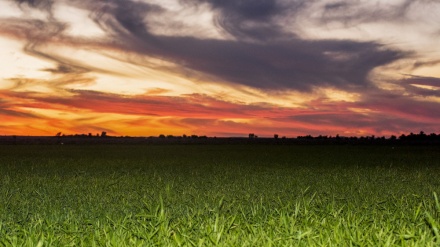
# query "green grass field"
(219, 195)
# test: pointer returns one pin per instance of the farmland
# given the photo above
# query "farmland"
(219, 195)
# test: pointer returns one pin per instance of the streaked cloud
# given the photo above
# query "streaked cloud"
(236, 72)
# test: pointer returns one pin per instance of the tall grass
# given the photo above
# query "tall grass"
(219, 195)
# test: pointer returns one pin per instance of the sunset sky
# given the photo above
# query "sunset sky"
(219, 67)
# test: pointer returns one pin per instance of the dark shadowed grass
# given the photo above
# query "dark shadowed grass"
(227, 195)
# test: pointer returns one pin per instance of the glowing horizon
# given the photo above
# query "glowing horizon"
(219, 68)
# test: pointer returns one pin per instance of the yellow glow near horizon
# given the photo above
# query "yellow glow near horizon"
(141, 73)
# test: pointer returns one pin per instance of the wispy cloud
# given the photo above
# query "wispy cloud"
(260, 55)
(203, 114)
(276, 60)
(261, 46)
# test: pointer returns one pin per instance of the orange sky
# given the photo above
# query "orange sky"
(229, 68)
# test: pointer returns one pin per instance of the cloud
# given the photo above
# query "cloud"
(421, 86)
(5, 113)
(421, 64)
(11, 115)
(261, 55)
(249, 20)
(38, 35)
(45, 5)
(382, 114)
(277, 64)
(352, 13)
(261, 48)
(64, 69)
(193, 105)
(415, 110)
(53, 85)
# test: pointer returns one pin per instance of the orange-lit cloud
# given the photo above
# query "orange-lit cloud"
(87, 111)
(252, 66)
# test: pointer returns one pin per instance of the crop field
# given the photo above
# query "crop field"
(219, 195)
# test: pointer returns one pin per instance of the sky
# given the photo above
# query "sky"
(219, 67)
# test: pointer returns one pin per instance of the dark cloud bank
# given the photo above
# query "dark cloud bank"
(259, 54)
